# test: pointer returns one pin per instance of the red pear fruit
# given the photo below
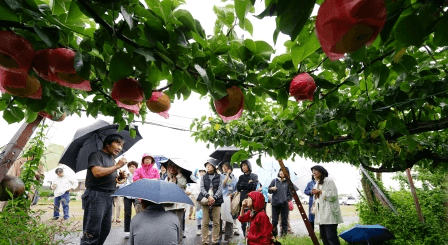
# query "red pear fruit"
(127, 91)
(57, 65)
(344, 26)
(62, 62)
(159, 102)
(21, 85)
(231, 104)
(16, 53)
(41, 64)
(302, 87)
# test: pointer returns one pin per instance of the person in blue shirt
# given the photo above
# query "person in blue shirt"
(308, 189)
(264, 191)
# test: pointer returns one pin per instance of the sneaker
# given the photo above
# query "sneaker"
(55, 218)
(236, 233)
(199, 233)
(126, 236)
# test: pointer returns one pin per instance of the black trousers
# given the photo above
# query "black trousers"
(284, 211)
(329, 234)
(97, 219)
(128, 213)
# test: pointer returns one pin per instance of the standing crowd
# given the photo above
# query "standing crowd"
(220, 200)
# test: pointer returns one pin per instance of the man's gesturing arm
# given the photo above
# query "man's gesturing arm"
(99, 171)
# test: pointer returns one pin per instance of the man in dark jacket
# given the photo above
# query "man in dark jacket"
(100, 185)
(281, 195)
(247, 182)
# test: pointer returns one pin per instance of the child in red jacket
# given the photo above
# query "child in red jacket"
(260, 230)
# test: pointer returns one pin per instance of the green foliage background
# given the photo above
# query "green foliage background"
(406, 226)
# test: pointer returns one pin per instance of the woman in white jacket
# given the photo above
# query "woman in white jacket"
(195, 190)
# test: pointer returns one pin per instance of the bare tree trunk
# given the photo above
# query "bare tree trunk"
(379, 176)
(368, 192)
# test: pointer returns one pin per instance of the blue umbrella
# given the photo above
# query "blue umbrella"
(156, 191)
(370, 234)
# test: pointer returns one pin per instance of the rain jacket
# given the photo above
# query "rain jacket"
(260, 230)
(328, 210)
(243, 184)
(282, 195)
(146, 171)
(308, 189)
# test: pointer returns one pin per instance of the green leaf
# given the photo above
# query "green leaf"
(149, 56)
(280, 150)
(82, 64)
(247, 25)
(127, 17)
(239, 156)
(216, 88)
(380, 74)
(121, 66)
(301, 52)
(121, 125)
(178, 81)
(282, 97)
(9, 117)
(133, 133)
(30, 116)
(292, 15)
(49, 35)
(155, 6)
(7, 14)
(263, 49)
(409, 31)
(186, 18)
(441, 33)
(325, 84)
(242, 7)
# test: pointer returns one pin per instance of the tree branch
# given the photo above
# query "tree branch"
(420, 155)
(412, 128)
(162, 88)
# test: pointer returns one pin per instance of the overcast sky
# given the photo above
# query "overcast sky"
(173, 143)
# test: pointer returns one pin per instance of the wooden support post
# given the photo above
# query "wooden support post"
(16, 145)
(299, 204)
(414, 194)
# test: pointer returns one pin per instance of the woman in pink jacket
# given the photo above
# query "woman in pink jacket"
(146, 171)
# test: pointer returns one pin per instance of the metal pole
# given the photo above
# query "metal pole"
(414, 194)
(16, 145)
(299, 204)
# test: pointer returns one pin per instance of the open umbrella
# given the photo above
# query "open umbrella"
(370, 234)
(183, 165)
(158, 159)
(90, 139)
(155, 191)
(269, 171)
(224, 154)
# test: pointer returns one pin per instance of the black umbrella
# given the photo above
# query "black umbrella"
(224, 154)
(183, 165)
(90, 139)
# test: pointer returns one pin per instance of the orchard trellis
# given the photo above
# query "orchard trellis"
(383, 106)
